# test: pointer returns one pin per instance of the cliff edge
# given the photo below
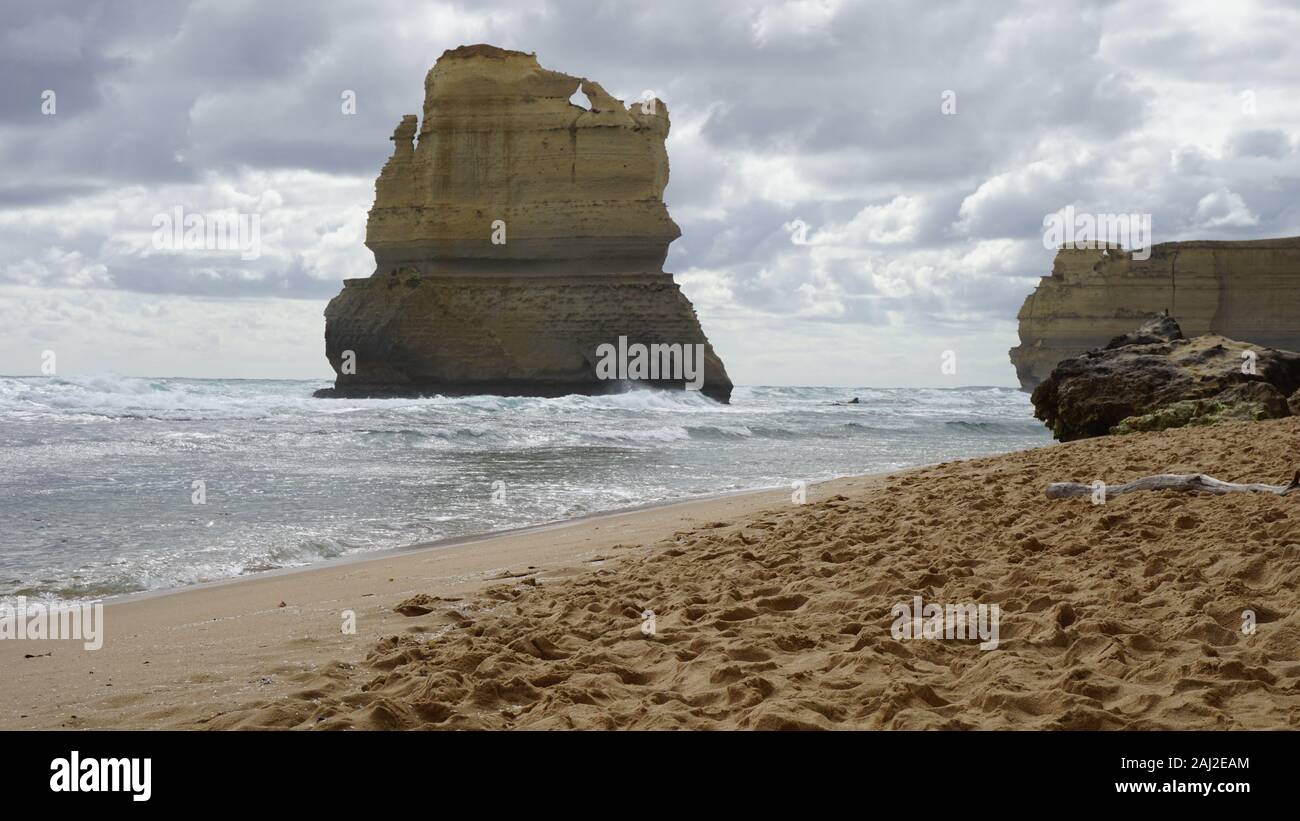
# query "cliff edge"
(1241, 290)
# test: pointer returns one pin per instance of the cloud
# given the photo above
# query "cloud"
(97, 331)
(891, 223)
(1271, 143)
(923, 229)
(58, 268)
(794, 20)
(1223, 209)
(1013, 203)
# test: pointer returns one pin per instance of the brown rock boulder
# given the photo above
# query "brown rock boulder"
(1091, 394)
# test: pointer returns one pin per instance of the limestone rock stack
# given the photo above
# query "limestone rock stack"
(1245, 291)
(514, 233)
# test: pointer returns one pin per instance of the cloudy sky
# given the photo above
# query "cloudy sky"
(822, 121)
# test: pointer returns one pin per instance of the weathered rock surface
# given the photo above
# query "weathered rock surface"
(1246, 402)
(514, 232)
(1240, 290)
(521, 335)
(1164, 380)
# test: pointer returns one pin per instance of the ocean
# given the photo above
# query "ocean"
(113, 485)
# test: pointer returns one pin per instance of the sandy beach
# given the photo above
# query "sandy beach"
(183, 658)
(768, 615)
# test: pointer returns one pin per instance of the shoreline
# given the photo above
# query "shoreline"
(179, 657)
(382, 553)
(163, 548)
(764, 614)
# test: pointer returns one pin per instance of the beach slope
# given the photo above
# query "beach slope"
(1131, 614)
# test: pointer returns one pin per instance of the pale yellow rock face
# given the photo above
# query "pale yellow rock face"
(576, 189)
(514, 234)
(1242, 290)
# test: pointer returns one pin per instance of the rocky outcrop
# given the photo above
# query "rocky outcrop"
(514, 234)
(1241, 290)
(1164, 380)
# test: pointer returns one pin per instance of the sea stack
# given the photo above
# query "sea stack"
(1241, 290)
(515, 234)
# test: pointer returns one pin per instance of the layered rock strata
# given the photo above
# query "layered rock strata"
(1241, 290)
(514, 234)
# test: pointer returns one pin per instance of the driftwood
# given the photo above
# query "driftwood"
(1171, 481)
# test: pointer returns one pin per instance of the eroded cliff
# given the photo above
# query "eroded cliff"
(1241, 290)
(514, 233)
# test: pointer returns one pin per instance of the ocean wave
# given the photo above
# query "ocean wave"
(97, 473)
(995, 425)
(716, 432)
(125, 397)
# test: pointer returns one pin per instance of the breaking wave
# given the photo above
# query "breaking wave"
(97, 473)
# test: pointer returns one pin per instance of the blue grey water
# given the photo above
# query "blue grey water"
(98, 475)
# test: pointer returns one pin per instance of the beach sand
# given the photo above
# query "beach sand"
(767, 614)
(180, 659)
